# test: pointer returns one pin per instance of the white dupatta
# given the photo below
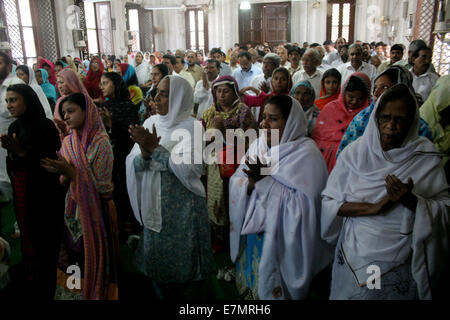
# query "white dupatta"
(144, 188)
(359, 176)
(286, 207)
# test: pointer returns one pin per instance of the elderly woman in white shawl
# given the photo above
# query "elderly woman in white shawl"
(143, 71)
(386, 208)
(274, 219)
(168, 198)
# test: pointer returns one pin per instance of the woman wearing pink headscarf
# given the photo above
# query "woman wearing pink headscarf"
(337, 115)
(68, 83)
(90, 240)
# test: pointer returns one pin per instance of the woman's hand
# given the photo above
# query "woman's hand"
(13, 146)
(253, 173)
(401, 192)
(218, 123)
(205, 80)
(264, 87)
(106, 117)
(61, 166)
(147, 141)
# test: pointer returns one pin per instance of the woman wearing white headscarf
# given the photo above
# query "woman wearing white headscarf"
(28, 76)
(143, 70)
(386, 208)
(274, 229)
(168, 198)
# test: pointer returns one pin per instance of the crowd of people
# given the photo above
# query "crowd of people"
(357, 177)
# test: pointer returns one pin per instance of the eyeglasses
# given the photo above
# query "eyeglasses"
(386, 118)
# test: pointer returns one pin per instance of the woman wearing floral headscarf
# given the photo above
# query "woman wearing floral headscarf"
(227, 112)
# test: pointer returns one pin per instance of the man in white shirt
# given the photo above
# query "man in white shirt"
(178, 70)
(7, 78)
(323, 66)
(246, 72)
(271, 61)
(356, 64)
(282, 52)
(343, 57)
(202, 94)
(295, 55)
(423, 79)
(310, 61)
(331, 54)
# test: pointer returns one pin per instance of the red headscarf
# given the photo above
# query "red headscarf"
(52, 75)
(92, 81)
(334, 119)
(323, 101)
(258, 101)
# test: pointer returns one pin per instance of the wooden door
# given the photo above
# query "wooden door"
(251, 25)
(277, 23)
(265, 23)
(341, 19)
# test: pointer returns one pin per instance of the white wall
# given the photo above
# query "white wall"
(63, 22)
(118, 12)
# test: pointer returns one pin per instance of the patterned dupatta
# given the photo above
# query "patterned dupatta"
(87, 198)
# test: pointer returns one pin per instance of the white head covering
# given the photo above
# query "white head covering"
(285, 206)
(359, 177)
(32, 82)
(143, 70)
(145, 190)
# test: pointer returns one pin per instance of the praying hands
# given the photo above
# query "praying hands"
(147, 141)
(253, 173)
(12, 145)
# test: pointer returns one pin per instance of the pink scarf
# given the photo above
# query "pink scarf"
(333, 121)
(87, 198)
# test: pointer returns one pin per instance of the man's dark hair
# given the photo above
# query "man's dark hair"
(172, 59)
(180, 57)
(300, 51)
(261, 53)
(397, 47)
(313, 45)
(217, 63)
(243, 48)
(327, 43)
(379, 44)
(366, 44)
(415, 54)
(245, 54)
(215, 50)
